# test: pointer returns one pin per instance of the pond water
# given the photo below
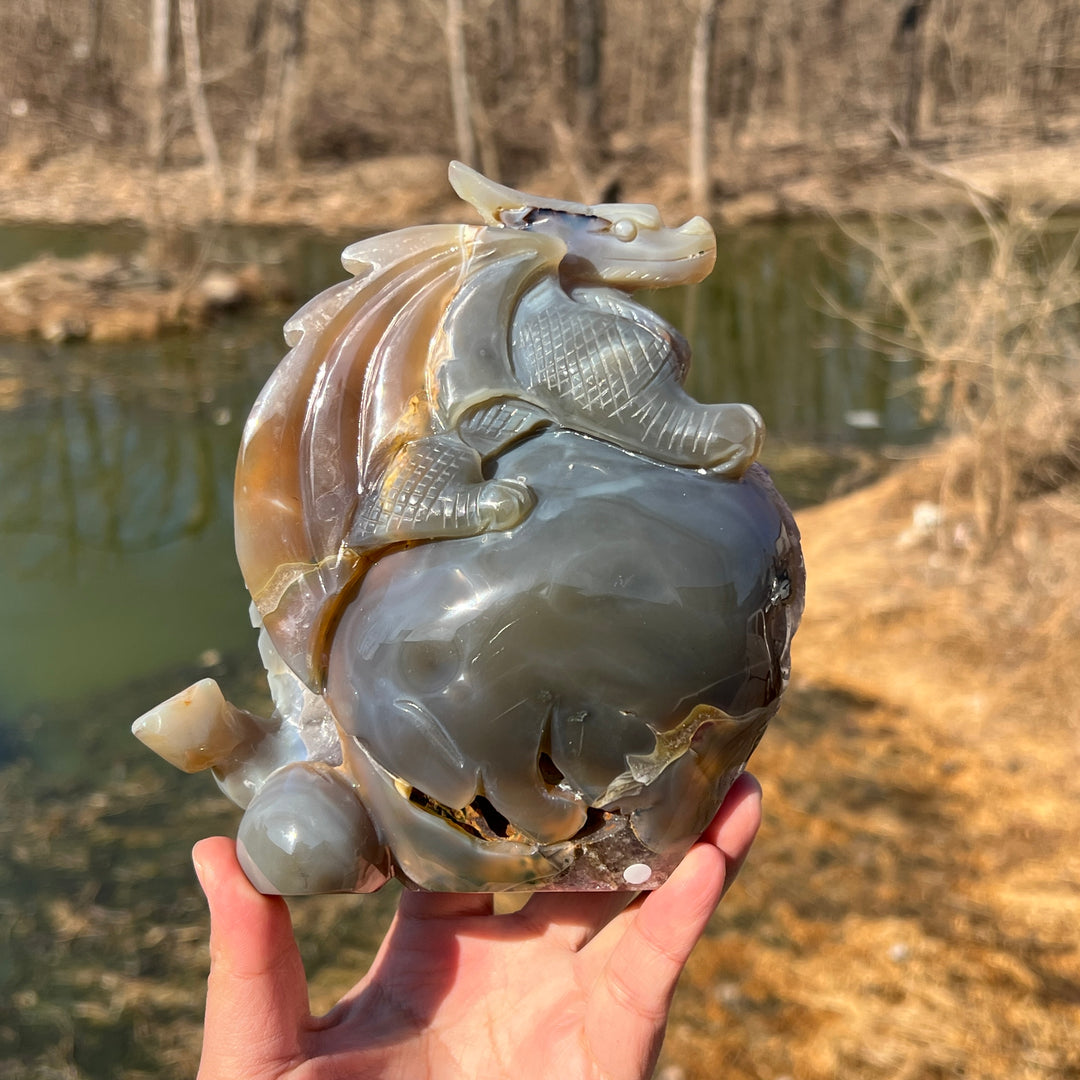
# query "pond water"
(118, 587)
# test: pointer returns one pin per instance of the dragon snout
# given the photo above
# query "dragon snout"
(696, 226)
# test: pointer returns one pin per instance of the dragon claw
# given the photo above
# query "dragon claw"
(505, 503)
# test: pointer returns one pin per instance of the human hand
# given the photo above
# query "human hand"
(573, 985)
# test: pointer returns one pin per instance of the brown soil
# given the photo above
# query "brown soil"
(912, 904)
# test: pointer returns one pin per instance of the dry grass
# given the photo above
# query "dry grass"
(911, 907)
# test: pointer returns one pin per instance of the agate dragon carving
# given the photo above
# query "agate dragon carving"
(421, 555)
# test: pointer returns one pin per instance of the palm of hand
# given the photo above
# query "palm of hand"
(573, 985)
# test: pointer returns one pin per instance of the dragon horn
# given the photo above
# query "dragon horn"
(496, 200)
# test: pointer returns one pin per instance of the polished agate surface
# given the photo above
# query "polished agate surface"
(525, 606)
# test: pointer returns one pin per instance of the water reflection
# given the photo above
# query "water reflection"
(102, 461)
(115, 506)
(762, 332)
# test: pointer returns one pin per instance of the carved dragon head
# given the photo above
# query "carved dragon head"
(625, 245)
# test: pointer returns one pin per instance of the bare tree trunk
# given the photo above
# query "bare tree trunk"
(281, 36)
(791, 57)
(637, 76)
(459, 82)
(584, 29)
(93, 32)
(506, 24)
(742, 68)
(493, 73)
(700, 157)
(159, 79)
(200, 113)
(759, 62)
(911, 40)
(268, 39)
(294, 15)
(156, 243)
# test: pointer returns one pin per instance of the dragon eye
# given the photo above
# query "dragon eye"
(624, 229)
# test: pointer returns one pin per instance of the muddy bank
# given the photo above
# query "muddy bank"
(866, 173)
(110, 298)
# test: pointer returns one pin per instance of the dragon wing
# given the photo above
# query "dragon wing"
(350, 391)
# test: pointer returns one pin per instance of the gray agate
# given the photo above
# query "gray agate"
(525, 606)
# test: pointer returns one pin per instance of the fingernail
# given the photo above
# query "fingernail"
(202, 869)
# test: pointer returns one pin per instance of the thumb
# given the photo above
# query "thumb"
(256, 998)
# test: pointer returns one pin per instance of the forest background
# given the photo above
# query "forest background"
(345, 113)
